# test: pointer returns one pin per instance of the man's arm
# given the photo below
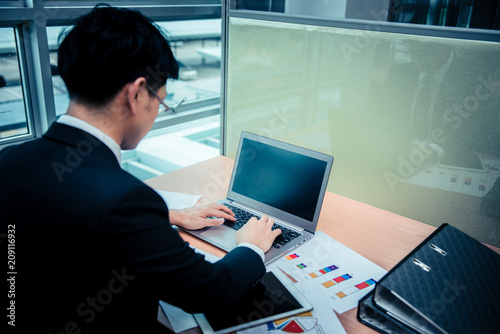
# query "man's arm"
(140, 235)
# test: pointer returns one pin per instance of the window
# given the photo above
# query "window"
(32, 94)
(13, 116)
(197, 48)
(172, 143)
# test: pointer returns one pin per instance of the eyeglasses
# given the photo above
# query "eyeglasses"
(163, 106)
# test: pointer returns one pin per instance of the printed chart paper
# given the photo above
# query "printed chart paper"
(325, 267)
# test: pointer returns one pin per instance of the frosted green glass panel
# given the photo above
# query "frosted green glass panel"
(413, 122)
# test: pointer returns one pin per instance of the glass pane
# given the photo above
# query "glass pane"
(197, 47)
(61, 97)
(13, 118)
(464, 13)
(171, 148)
(413, 122)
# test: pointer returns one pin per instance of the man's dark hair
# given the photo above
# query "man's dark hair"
(109, 48)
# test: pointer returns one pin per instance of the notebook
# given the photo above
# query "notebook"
(284, 181)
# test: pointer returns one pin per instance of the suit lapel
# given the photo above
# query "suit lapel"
(83, 142)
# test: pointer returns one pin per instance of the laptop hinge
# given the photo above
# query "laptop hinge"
(280, 222)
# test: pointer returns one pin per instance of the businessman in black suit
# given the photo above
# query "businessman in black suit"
(94, 247)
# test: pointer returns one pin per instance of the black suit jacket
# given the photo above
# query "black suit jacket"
(95, 251)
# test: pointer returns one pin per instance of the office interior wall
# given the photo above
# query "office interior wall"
(413, 122)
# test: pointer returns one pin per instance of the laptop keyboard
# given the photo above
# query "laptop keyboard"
(242, 218)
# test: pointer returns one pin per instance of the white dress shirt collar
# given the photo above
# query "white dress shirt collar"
(82, 125)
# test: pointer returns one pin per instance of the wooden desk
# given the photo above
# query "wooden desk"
(380, 236)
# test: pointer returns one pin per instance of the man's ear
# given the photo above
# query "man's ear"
(135, 92)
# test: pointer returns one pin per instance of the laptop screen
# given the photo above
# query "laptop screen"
(281, 176)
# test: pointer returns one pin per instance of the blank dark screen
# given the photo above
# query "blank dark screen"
(279, 178)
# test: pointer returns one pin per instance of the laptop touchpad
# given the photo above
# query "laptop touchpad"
(222, 236)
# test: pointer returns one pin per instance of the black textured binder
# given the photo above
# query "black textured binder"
(373, 317)
(450, 283)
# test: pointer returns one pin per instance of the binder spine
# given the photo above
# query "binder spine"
(369, 315)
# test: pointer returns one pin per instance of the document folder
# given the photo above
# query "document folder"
(450, 283)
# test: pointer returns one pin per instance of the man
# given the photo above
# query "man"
(94, 247)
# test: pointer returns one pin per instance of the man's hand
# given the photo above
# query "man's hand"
(201, 216)
(258, 233)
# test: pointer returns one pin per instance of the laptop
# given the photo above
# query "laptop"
(271, 177)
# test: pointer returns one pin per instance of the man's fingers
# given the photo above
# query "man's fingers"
(219, 211)
(264, 219)
(222, 208)
(222, 211)
(253, 219)
(220, 214)
(270, 221)
(215, 222)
